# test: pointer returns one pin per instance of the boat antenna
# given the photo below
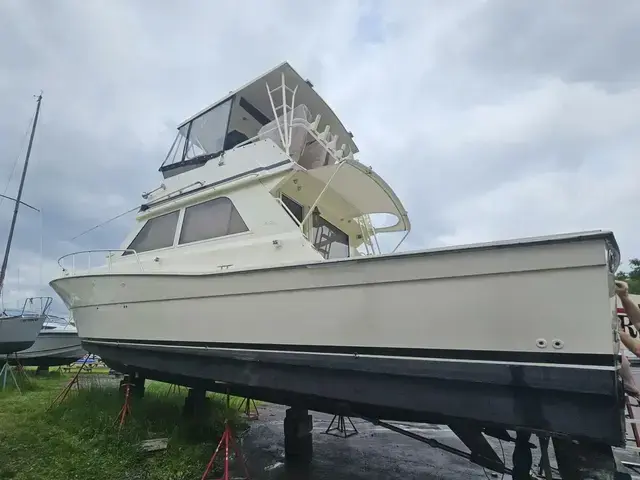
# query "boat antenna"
(5, 261)
(137, 207)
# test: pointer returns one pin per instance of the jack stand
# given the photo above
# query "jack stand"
(521, 457)
(247, 403)
(227, 438)
(545, 463)
(67, 388)
(126, 407)
(6, 370)
(341, 429)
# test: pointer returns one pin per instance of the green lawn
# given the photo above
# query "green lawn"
(80, 439)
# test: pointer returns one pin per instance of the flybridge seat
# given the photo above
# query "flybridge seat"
(305, 148)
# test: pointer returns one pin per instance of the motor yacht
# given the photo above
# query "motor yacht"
(57, 343)
(260, 261)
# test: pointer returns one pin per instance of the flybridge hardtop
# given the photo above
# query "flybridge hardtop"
(280, 107)
(241, 115)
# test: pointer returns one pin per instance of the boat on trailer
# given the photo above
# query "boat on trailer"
(256, 266)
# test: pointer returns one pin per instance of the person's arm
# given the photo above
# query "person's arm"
(632, 345)
(632, 310)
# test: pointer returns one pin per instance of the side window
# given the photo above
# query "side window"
(294, 207)
(212, 219)
(157, 233)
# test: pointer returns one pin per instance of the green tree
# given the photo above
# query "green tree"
(632, 277)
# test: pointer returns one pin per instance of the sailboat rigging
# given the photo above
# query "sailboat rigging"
(19, 329)
(5, 261)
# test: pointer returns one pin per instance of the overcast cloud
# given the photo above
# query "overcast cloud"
(490, 119)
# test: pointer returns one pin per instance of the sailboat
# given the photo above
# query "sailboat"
(19, 328)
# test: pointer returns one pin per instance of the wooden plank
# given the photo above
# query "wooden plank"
(154, 444)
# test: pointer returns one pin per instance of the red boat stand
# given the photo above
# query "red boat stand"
(227, 440)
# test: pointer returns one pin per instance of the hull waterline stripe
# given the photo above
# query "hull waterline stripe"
(605, 360)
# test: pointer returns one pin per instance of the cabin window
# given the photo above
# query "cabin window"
(205, 134)
(212, 219)
(328, 239)
(295, 210)
(157, 233)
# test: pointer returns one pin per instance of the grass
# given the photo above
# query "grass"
(80, 439)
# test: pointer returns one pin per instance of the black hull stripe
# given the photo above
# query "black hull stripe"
(594, 359)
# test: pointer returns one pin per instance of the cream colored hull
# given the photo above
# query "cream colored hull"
(550, 298)
(511, 335)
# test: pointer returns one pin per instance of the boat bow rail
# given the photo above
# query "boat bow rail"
(73, 269)
(43, 302)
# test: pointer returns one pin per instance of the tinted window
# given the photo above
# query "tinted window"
(212, 219)
(157, 233)
(328, 239)
(294, 207)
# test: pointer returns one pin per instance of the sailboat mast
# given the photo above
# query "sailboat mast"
(5, 261)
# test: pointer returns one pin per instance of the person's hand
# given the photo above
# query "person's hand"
(622, 289)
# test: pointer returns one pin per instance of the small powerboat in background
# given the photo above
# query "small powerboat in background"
(57, 343)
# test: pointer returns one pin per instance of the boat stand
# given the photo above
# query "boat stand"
(67, 388)
(5, 372)
(545, 470)
(227, 440)
(340, 430)
(247, 403)
(126, 406)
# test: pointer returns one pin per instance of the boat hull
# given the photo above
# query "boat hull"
(53, 349)
(18, 333)
(485, 335)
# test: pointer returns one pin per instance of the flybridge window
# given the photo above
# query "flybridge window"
(158, 232)
(205, 134)
(199, 140)
(328, 239)
(212, 219)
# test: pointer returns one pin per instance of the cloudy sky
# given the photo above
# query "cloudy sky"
(490, 118)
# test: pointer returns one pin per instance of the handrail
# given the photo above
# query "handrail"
(43, 310)
(109, 252)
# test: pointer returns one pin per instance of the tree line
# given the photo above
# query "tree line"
(632, 277)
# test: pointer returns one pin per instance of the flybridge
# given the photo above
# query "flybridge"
(268, 107)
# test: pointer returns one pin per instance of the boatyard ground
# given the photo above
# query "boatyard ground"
(81, 439)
